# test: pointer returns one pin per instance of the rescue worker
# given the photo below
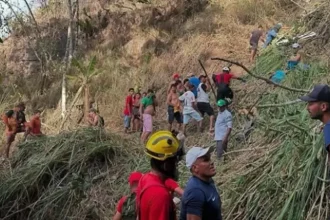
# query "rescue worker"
(154, 200)
(222, 82)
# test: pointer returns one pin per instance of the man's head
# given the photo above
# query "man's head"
(198, 160)
(190, 87)
(144, 94)
(131, 91)
(162, 147)
(178, 83)
(21, 106)
(185, 82)
(226, 69)
(318, 102)
(92, 112)
(134, 179)
(176, 76)
(37, 113)
(137, 95)
(260, 27)
(202, 78)
(222, 104)
(173, 87)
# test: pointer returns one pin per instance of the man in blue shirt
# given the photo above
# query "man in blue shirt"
(200, 200)
(193, 80)
(319, 108)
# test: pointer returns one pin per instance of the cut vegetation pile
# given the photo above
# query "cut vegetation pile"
(76, 175)
(288, 180)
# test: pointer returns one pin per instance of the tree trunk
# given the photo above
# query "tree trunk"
(86, 103)
(75, 99)
(68, 57)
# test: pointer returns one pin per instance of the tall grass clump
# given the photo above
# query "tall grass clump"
(58, 177)
(289, 180)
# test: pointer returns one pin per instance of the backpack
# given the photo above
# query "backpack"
(101, 121)
(129, 208)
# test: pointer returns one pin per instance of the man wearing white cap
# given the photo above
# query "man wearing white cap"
(200, 199)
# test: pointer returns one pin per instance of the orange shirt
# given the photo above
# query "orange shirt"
(35, 125)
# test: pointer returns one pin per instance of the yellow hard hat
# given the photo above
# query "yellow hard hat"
(162, 145)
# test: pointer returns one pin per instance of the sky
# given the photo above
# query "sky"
(18, 6)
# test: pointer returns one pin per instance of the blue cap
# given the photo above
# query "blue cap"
(320, 93)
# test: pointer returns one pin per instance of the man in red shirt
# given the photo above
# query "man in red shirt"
(133, 181)
(128, 109)
(154, 199)
(222, 81)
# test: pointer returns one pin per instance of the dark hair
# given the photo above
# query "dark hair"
(191, 86)
(150, 91)
(260, 26)
(201, 77)
(93, 110)
(178, 81)
(131, 89)
(185, 80)
(36, 112)
(20, 104)
(138, 93)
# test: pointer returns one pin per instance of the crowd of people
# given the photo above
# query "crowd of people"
(154, 194)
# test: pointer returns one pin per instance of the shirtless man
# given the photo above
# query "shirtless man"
(94, 119)
(175, 78)
(147, 110)
(174, 108)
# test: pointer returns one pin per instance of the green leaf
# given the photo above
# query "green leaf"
(77, 64)
(91, 66)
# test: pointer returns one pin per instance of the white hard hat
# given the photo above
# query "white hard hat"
(226, 69)
(295, 45)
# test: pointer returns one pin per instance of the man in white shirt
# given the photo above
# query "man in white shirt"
(223, 126)
(203, 100)
(189, 108)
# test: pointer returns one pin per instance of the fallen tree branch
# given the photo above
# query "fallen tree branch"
(279, 104)
(260, 77)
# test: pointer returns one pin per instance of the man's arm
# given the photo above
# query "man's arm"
(238, 78)
(194, 204)
(119, 209)
(326, 132)
(141, 109)
(229, 125)
(117, 216)
(95, 120)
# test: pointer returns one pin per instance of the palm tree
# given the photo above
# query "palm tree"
(86, 73)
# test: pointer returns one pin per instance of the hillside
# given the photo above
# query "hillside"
(272, 172)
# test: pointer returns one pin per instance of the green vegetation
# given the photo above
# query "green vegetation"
(286, 181)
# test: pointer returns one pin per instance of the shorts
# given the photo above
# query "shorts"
(136, 113)
(195, 115)
(127, 121)
(171, 115)
(204, 107)
(147, 123)
(254, 45)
